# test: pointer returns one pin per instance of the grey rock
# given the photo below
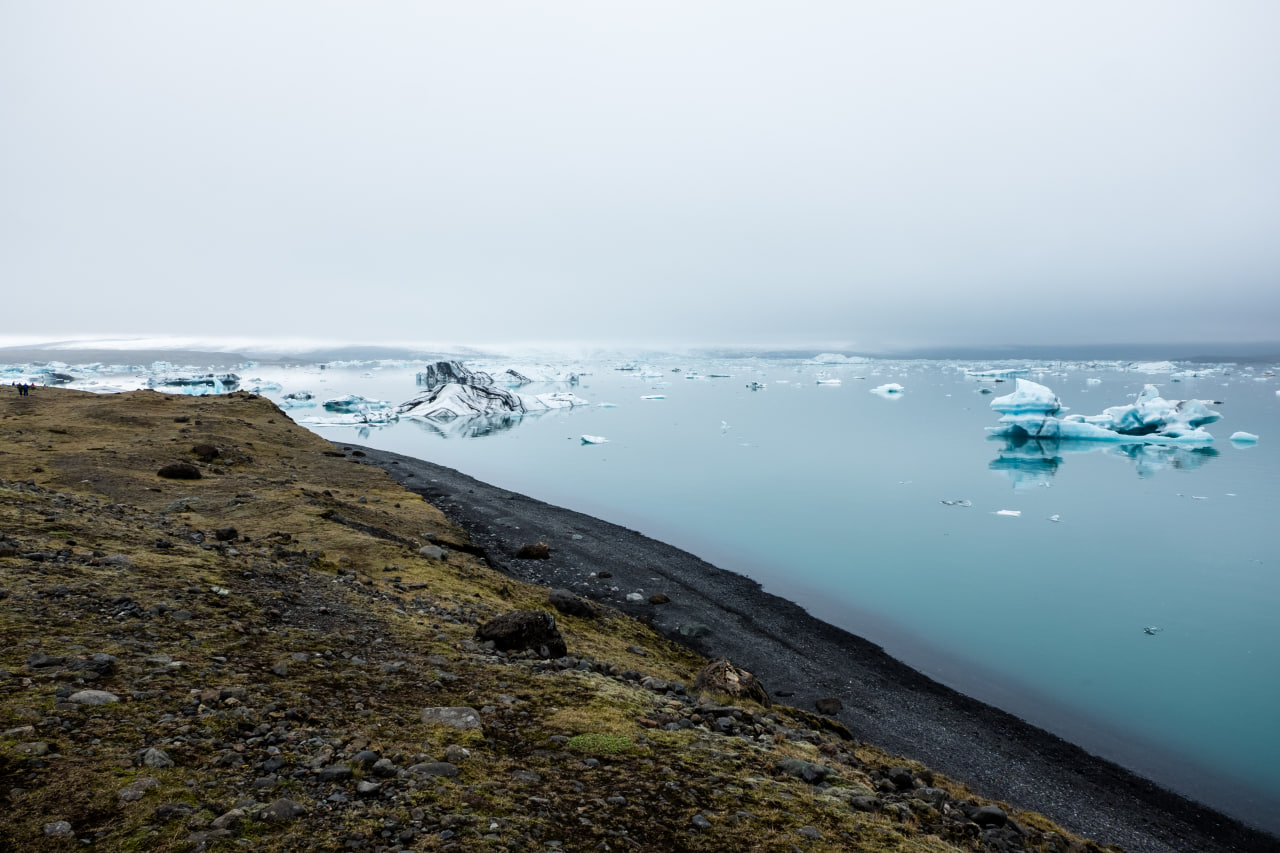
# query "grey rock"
(461, 717)
(694, 630)
(230, 821)
(37, 747)
(180, 471)
(172, 811)
(810, 832)
(153, 757)
(59, 829)
(700, 822)
(335, 773)
(93, 697)
(39, 660)
(384, 768)
(806, 770)
(281, 810)
(866, 804)
(435, 768)
(431, 552)
(135, 789)
(365, 787)
(829, 706)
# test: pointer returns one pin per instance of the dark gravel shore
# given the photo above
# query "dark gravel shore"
(802, 659)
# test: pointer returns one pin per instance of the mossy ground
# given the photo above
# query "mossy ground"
(317, 631)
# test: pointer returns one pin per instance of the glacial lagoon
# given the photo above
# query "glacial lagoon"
(1124, 596)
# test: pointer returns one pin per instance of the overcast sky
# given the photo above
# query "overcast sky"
(850, 174)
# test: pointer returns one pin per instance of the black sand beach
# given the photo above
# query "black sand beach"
(801, 659)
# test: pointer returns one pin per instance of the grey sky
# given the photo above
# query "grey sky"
(858, 174)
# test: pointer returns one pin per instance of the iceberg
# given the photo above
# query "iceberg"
(1034, 411)
(594, 439)
(1241, 437)
(354, 403)
(457, 392)
(828, 381)
(891, 389)
(836, 358)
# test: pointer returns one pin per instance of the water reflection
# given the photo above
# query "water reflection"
(477, 427)
(1028, 461)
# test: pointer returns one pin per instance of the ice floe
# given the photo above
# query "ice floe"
(889, 390)
(1034, 411)
(594, 439)
(1241, 437)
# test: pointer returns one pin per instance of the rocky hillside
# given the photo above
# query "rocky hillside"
(219, 633)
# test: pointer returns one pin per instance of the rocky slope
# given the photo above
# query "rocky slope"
(272, 648)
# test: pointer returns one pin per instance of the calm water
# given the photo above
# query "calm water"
(832, 496)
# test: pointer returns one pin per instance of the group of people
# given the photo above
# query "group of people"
(24, 390)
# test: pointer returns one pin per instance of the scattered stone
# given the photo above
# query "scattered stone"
(230, 821)
(40, 660)
(173, 811)
(524, 630)
(462, 718)
(205, 452)
(659, 598)
(93, 697)
(535, 551)
(806, 770)
(59, 829)
(829, 706)
(335, 773)
(902, 778)
(153, 757)
(723, 677)
(180, 471)
(431, 552)
(226, 534)
(694, 630)
(134, 790)
(282, 809)
(181, 505)
(435, 768)
(700, 822)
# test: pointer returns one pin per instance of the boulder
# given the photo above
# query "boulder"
(524, 630)
(457, 717)
(574, 605)
(829, 706)
(180, 471)
(534, 551)
(723, 677)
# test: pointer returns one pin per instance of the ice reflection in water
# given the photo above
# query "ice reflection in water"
(1034, 462)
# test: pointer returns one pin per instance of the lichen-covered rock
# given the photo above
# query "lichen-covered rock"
(574, 605)
(723, 677)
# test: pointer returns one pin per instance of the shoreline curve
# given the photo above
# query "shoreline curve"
(720, 613)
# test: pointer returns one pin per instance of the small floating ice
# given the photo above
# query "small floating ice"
(1055, 517)
(1152, 629)
(828, 381)
(594, 439)
(654, 397)
(1244, 438)
(1011, 512)
(888, 390)
(607, 405)
(956, 503)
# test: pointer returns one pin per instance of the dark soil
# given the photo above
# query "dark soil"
(802, 659)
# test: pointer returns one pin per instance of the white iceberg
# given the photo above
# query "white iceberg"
(836, 358)
(891, 389)
(1241, 437)
(828, 381)
(654, 397)
(1034, 411)
(1011, 512)
(1153, 367)
(594, 439)
(354, 404)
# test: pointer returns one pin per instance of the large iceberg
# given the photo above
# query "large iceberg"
(457, 392)
(1034, 411)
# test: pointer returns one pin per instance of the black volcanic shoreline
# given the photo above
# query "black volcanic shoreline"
(886, 703)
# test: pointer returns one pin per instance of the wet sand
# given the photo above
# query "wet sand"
(800, 659)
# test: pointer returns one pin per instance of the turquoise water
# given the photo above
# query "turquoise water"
(833, 497)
